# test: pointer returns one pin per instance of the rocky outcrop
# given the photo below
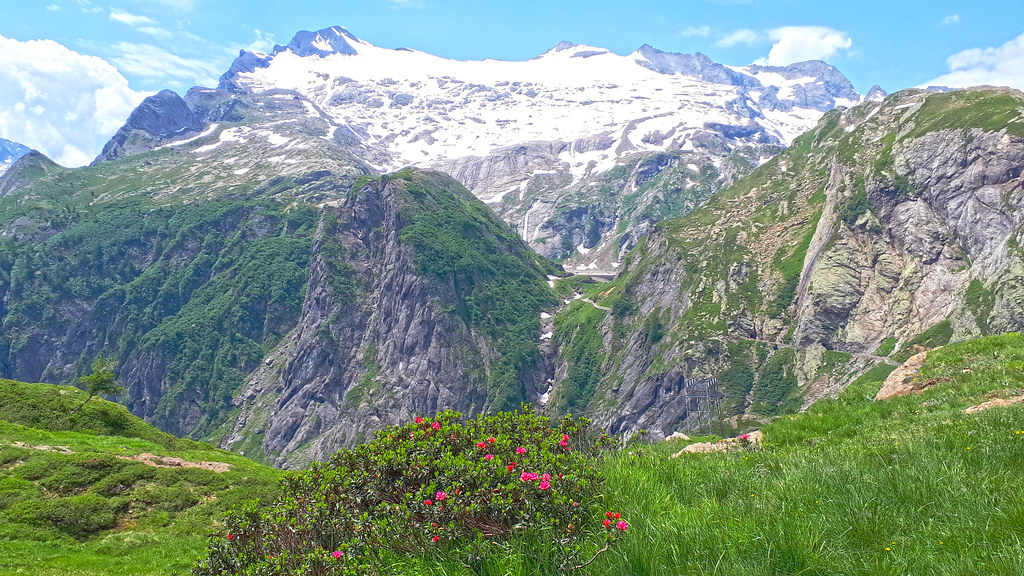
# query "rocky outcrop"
(895, 223)
(160, 117)
(379, 340)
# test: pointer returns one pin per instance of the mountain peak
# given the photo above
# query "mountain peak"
(324, 42)
(876, 94)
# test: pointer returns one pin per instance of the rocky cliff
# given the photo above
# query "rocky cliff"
(418, 300)
(891, 226)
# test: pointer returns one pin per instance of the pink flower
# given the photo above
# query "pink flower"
(436, 425)
(565, 437)
(336, 554)
(621, 525)
(441, 495)
(231, 536)
(435, 539)
(488, 456)
(745, 437)
(419, 420)
(546, 477)
(563, 443)
(491, 440)
(607, 523)
(510, 467)
(617, 515)
(427, 502)
(481, 445)
(528, 476)
(520, 450)
(544, 485)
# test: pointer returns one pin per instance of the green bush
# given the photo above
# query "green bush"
(433, 489)
(75, 515)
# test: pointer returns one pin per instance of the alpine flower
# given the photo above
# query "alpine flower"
(488, 456)
(491, 440)
(336, 554)
(435, 539)
(481, 445)
(436, 425)
(621, 525)
(528, 476)
(520, 450)
(419, 420)
(427, 502)
(231, 536)
(546, 477)
(441, 495)
(544, 485)
(607, 523)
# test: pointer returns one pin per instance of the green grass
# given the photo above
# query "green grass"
(937, 335)
(854, 486)
(87, 508)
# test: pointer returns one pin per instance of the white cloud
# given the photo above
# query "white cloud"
(53, 8)
(800, 43)
(1000, 66)
(696, 31)
(133, 20)
(742, 36)
(951, 19)
(88, 8)
(60, 102)
(176, 5)
(156, 64)
(263, 42)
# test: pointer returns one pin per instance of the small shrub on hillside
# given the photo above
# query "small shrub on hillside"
(431, 488)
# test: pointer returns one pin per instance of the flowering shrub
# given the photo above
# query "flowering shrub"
(431, 487)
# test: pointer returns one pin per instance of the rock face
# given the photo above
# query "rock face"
(159, 118)
(892, 223)
(381, 339)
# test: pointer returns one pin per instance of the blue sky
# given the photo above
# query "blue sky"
(145, 45)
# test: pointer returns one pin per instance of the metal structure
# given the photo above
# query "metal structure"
(703, 406)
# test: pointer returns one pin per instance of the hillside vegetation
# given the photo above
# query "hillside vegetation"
(854, 485)
(102, 492)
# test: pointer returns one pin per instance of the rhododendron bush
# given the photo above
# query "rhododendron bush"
(436, 487)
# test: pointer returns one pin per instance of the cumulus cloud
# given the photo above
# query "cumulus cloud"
(743, 36)
(154, 64)
(53, 8)
(696, 31)
(800, 43)
(999, 66)
(60, 102)
(951, 19)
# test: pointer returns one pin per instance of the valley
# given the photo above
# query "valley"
(440, 315)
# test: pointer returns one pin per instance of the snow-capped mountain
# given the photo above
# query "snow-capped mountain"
(9, 154)
(581, 149)
(426, 110)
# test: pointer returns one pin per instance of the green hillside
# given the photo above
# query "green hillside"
(854, 486)
(102, 492)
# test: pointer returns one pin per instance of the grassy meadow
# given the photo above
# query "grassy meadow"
(910, 485)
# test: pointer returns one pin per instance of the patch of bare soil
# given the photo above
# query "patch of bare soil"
(995, 403)
(173, 462)
(60, 449)
(725, 445)
(904, 380)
